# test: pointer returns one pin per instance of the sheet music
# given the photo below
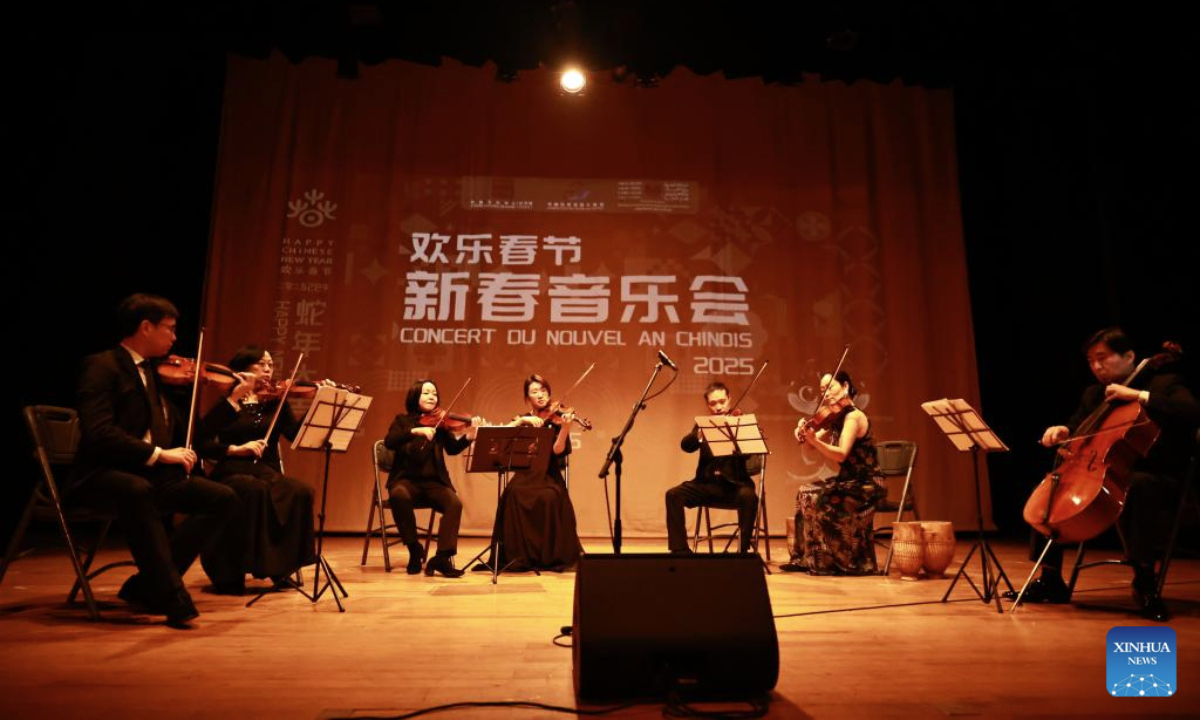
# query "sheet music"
(721, 432)
(963, 425)
(334, 416)
(511, 448)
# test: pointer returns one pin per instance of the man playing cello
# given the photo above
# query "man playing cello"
(1153, 484)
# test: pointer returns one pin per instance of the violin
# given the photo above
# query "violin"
(177, 370)
(823, 418)
(554, 412)
(439, 417)
(826, 412)
(267, 389)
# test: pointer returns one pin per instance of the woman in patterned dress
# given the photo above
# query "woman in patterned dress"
(834, 516)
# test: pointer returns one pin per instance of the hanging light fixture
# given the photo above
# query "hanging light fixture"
(572, 80)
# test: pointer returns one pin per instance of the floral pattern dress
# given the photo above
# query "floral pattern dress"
(834, 516)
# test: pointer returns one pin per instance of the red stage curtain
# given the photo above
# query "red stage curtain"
(725, 222)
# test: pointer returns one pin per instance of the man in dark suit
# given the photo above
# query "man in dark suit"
(721, 481)
(1153, 486)
(131, 459)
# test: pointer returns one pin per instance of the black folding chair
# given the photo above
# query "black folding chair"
(1186, 492)
(756, 466)
(55, 433)
(897, 458)
(381, 464)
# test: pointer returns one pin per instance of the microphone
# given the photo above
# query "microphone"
(662, 358)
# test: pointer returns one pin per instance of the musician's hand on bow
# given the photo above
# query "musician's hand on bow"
(425, 432)
(803, 430)
(1055, 435)
(1120, 392)
(254, 448)
(531, 421)
(178, 456)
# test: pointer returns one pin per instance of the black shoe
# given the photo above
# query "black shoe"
(793, 567)
(1145, 592)
(682, 553)
(1153, 607)
(1048, 589)
(481, 567)
(133, 593)
(179, 609)
(443, 564)
(416, 558)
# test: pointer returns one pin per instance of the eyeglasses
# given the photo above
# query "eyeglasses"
(170, 328)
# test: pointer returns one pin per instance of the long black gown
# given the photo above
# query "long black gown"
(535, 520)
(271, 535)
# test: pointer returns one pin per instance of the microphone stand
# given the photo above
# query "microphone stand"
(614, 453)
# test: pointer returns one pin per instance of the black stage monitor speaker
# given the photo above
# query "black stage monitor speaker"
(646, 622)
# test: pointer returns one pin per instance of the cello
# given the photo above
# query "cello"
(1083, 495)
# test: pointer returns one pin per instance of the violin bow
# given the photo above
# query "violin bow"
(833, 376)
(195, 389)
(562, 398)
(746, 392)
(836, 370)
(282, 400)
(453, 400)
(1098, 433)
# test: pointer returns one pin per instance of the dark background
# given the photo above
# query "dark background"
(1076, 137)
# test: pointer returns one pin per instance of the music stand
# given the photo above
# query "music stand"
(967, 430)
(736, 435)
(332, 419)
(502, 450)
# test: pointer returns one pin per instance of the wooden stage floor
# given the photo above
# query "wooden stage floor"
(867, 647)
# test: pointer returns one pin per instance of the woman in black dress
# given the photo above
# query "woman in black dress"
(271, 535)
(535, 520)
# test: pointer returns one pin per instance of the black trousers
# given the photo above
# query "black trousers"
(140, 503)
(406, 496)
(1150, 504)
(717, 493)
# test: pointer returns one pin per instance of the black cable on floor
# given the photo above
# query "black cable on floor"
(498, 703)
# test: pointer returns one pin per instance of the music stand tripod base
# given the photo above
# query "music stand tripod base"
(329, 426)
(968, 432)
(501, 450)
(740, 435)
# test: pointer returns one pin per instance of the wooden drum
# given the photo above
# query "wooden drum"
(940, 545)
(908, 549)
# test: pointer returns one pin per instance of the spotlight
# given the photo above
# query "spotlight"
(572, 81)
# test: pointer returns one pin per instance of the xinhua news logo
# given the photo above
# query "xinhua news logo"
(1141, 662)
